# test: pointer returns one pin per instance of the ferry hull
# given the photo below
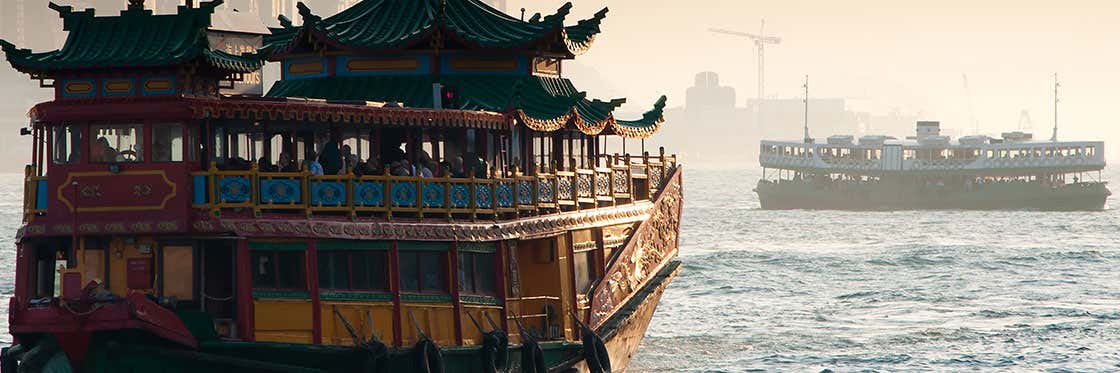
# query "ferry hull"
(862, 197)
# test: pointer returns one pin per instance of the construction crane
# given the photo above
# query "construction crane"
(760, 40)
(971, 111)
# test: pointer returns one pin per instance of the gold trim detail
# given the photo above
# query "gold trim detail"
(388, 64)
(70, 177)
(118, 86)
(305, 68)
(157, 85)
(79, 87)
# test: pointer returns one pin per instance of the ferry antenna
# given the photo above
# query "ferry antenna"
(1057, 84)
(806, 86)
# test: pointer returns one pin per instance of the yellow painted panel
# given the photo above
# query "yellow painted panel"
(178, 272)
(284, 336)
(120, 251)
(334, 330)
(93, 265)
(436, 319)
(471, 334)
(282, 316)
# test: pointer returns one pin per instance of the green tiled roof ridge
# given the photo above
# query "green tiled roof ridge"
(135, 38)
(394, 24)
(541, 99)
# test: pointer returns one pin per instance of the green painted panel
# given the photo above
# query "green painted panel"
(480, 299)
(353, 245)
(425, 298)
(278, 246)
(478, 247)
(357, 296)
(423, 246)
(281, 294)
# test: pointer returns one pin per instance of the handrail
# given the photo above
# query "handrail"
(498, 197)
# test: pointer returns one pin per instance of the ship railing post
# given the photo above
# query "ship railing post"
(254, 184)
(212, 178)
(386, 193)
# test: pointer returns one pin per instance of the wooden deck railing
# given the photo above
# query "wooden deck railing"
(617, 180)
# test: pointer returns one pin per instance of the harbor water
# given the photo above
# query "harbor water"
(845, 291)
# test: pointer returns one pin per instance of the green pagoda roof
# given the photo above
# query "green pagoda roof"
(135, 38)
(542, 103)
(397, 24)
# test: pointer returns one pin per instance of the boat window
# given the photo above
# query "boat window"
(116, 143)
(358, 270)
(67, 144)
(476, 273)
(167, 142)
(583, 270)
(423, 272)
(278, 270)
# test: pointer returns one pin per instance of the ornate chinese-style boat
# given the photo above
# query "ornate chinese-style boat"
(456, 209)
(931, 171)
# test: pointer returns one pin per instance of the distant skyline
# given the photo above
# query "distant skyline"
(906, 57)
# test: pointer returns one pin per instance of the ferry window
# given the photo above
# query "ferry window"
(423, 272)
(167, 142)
(178, 271)
(278, 270)
(67, 144)
(476, 273)
(352, 270)
(1090, 151)
(116, 143)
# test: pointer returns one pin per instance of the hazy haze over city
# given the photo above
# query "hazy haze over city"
(893, 56)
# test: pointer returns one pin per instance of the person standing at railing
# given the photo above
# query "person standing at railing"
(331, 157)
(457, 167)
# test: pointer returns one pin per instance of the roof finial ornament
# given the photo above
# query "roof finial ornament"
(135, 4)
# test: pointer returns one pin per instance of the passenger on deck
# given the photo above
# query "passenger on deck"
(313, 165)
(265, 166)
(457, 167)
(285, 164)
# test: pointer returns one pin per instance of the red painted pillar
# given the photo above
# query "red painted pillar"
(244, 291)
(313, 282)
(455, 302)
(500, 271)
(395, 287)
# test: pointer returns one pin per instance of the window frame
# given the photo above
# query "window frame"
(442, 270)
(184, 139)
(348, 257)
(472, 273)
(274, 257)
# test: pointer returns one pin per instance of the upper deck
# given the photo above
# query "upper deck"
(1013, 155)
(206, 181)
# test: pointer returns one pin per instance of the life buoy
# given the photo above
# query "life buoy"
(495, 351)
(595, 352)
(375, 356)
(429, 359)
(532, 357)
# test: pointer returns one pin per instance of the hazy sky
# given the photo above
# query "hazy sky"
(899, 54)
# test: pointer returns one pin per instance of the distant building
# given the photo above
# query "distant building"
(784, 118)
(497, 4)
